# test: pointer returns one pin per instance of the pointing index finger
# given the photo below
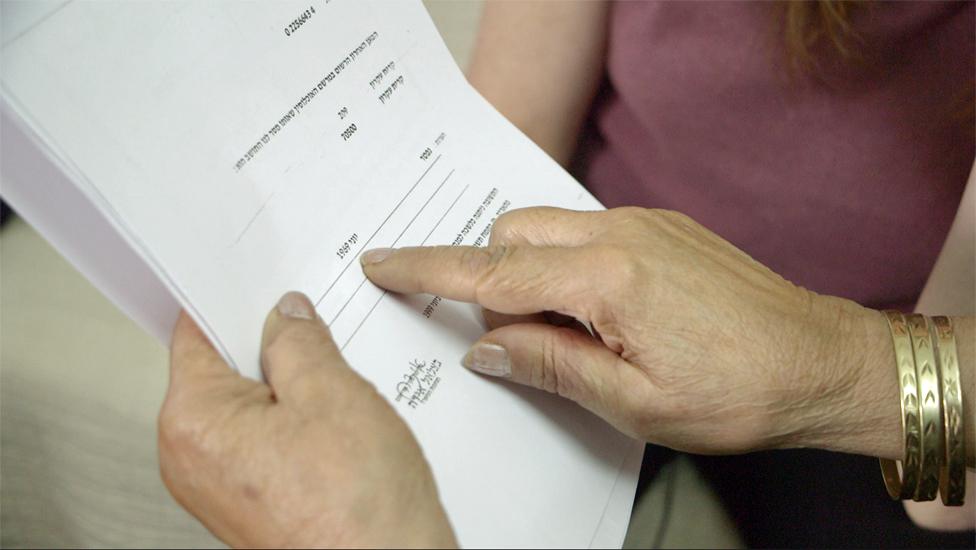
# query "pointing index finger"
(506, 279)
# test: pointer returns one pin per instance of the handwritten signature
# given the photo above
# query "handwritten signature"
(419, 382)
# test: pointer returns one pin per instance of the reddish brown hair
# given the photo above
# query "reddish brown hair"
(818, 31)
(812, 29)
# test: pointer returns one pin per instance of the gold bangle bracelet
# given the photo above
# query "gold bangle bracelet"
(930, 408)
(902, 485)
(952, 473)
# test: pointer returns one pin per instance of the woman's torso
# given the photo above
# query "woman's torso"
(847, 187)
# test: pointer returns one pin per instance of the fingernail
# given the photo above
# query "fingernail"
(490, 359)
(296, 305)
(375, 255)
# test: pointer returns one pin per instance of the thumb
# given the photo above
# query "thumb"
(560, 360)
(297, 350)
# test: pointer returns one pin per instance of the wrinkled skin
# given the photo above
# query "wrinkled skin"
(698, 346)
(695, 346)
(315, 457)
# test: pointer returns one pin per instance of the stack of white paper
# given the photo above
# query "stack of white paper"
(212, 156)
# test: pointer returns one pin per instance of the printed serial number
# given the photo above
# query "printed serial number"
(299, 21)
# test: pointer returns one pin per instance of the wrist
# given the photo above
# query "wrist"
(845, 394)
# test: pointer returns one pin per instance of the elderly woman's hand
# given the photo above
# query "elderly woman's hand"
(313, 458)
(696, 345)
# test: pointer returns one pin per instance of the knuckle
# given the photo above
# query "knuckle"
(629, 212)
(475, 260)
(182, 445)
(624, 222)
(622, 264)
(525, 224)
(179, 433)
(547, 377)
(487, 264)
(669, 220)
(505, 229)
(555, 372)
(674, 216)
(631, 218)
(644, 221)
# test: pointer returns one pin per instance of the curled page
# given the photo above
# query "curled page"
(241, 150)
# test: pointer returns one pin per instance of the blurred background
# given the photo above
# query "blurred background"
(80, 387)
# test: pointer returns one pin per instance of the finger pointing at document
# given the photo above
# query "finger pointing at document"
(700, 347)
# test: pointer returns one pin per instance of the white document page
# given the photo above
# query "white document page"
(247, 149)
(72, 224)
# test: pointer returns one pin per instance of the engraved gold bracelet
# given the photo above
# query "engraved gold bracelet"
(952, 473)
(903, 485)
(930, 408)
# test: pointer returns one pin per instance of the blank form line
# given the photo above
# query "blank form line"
(361, 283)
(430, 198)
(385, 292)
(356, 256)
(254, 217)
(360, 325)
(35, 24)
(449, 208)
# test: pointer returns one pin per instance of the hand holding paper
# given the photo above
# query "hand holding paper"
(210, 157)
(315, 458)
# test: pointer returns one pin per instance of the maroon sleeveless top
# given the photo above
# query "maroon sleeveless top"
(846, 184)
